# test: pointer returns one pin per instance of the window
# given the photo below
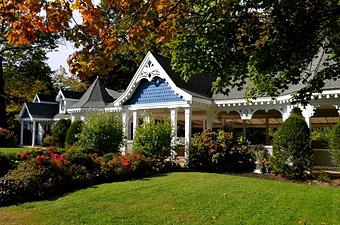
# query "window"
(62, 106)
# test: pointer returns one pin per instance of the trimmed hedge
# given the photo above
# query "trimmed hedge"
(292, 152)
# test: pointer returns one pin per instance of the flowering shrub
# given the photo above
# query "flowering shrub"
(43, 173)
(7, 138)
(263, 158)
(126, 166)
(220, 152)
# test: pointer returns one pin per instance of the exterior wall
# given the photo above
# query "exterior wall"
(154, 91)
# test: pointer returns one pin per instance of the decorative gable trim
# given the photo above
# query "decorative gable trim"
(149, 69)
(36, 98)
(60, 95)
(24, 107)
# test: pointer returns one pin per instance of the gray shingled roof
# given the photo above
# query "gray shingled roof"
(114, 94)
(72, 94)
(46, 98)
(198, 86)
(96, 96)
(42, 110)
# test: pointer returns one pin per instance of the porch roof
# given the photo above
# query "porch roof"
(39, 110)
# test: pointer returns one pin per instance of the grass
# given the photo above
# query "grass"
(15, 150)
(185, 198)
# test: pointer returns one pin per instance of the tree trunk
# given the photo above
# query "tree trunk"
(3, 121)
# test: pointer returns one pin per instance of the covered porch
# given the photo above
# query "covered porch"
(35, 120)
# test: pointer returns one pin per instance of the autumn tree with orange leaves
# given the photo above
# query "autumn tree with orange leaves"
(114, 36)
(26, 24)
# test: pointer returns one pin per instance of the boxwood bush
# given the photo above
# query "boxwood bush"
(73, 132)
(220, 152)
(154, 139)
(59, 131)
(102, 133)
(292, 152)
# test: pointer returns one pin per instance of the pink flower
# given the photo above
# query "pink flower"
(41, 158)
(24, 155)
(126, 164)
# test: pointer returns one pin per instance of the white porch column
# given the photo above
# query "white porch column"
(307, 113)
(22, 133)
(134, 121)
(146, 117)
(210, 119)
(125, 132)
(187, 116)
(173, 117)
(34, 126)
(286, 112)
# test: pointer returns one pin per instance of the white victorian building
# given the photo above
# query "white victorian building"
(157, 91)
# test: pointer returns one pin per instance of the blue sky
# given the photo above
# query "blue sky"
(59, 57)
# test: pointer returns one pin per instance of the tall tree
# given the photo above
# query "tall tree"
(114, 36)
(62, 80)
(26, 25)
(269, 44)
(27, 73)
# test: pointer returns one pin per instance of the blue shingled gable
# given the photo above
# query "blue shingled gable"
(154, 91)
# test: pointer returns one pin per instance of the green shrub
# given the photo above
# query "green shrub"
(7, 162)
(292, 152)
(334, 144)
(220, 152)
(8, 192)
(102, 133)
(154, 139)
(73, 132)
(59, 132)
(7, 138)
(47, 141)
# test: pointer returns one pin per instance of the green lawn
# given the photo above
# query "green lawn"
(15, 150)
(186, 198)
